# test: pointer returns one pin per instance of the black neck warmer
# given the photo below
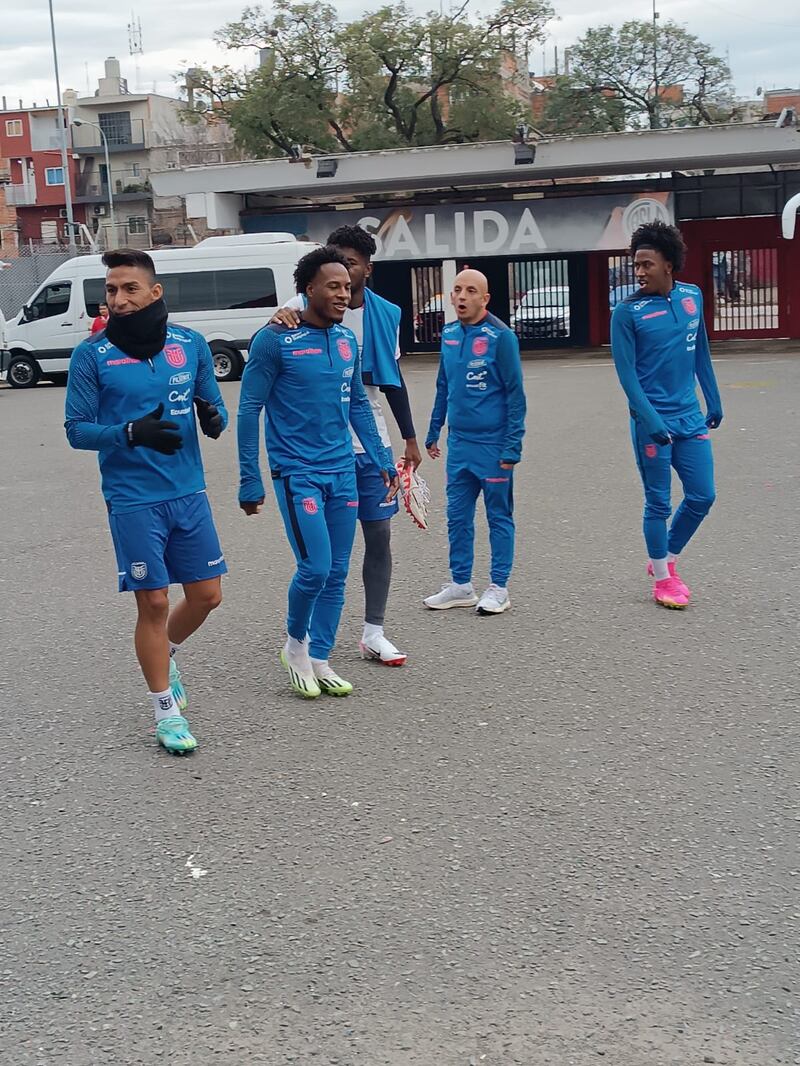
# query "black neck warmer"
(140, 334)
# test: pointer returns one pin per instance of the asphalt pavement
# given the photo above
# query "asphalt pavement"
(566, 835)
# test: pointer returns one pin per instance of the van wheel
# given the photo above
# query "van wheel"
(228, 363)
(23, 372)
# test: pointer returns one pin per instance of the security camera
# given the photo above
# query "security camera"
(787, 117)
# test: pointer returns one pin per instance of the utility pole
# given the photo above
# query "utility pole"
(656, 99)
(62, 130)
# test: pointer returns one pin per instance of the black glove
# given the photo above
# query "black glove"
(661, 438)
(209, 418)
(151, 432)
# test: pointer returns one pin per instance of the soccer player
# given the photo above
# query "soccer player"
(309, 380)
(120, 384)
(479, 392)
(376, 325)
(660, 348)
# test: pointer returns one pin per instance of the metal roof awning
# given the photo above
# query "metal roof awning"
(466, 165)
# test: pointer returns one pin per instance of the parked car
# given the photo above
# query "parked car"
(542, 314)
(429, 322)
(621, 292)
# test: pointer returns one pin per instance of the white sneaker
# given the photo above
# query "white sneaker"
(378, 648)
(452, 595)
(494, 601)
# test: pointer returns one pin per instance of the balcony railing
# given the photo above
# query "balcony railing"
(124, 136)
(20, 195)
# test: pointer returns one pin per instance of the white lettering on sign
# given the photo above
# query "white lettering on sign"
(527, 234)
(483, 244)
(432, 248)
(459, 224)
(401, 239)
(483, 232)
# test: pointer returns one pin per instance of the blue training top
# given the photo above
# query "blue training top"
(309, 381)
(106, 389)
(479, 387)
(660, 346)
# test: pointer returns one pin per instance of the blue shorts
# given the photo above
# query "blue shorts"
(372, 505)
(169, 543)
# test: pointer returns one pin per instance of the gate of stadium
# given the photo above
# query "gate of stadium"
(543, 298)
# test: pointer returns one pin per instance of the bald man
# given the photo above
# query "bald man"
(479, 394)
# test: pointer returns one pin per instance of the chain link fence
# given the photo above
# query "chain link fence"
(28, 270)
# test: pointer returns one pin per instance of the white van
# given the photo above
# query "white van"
(5, 354)
(224, 287)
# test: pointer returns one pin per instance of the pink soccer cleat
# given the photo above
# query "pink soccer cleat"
(671, 593)
(673, 572)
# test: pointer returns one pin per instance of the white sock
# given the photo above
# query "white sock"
(164, 704)
(322, 668)
(672, 558)
(467, 586)
(173, 648)
(297, 653)
(371, 630)
(660, 569)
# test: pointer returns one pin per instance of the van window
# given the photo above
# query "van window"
(52, 300)
(94, 294)
(203, 290)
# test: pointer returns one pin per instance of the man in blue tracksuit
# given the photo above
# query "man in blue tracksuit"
(479, 392)
(660, 349)
(376, 324)
(121, 382)
(309, 381)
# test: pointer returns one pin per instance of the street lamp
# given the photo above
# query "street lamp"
(62, 132)
(83, 122)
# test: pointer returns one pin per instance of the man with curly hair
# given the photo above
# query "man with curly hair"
(660, 349)
(376, 324)
(309, 381)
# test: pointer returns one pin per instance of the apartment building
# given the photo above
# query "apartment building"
(30, 145)
(117, 138)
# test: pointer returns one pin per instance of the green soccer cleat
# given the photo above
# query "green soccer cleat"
(304, 684)
(330, 682)
(174, 736)
(176, 684)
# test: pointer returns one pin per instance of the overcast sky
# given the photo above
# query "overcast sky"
(762, 53)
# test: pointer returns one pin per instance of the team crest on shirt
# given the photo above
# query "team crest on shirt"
(689, 305)
(138, 571)
(310, 505)
(175, 355)
(346, 352)
(480, 346)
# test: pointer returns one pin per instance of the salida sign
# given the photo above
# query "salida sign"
(406, 234)
(454, 231)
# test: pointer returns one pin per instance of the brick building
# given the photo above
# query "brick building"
(30, 144)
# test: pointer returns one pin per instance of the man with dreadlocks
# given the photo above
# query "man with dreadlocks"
(660, 349)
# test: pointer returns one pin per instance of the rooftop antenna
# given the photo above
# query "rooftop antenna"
(135, 42)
